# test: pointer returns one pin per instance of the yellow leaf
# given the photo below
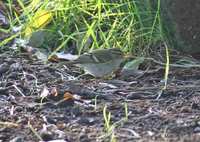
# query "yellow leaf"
(39, 21)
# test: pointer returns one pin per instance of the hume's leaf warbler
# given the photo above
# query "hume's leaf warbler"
(100, 62)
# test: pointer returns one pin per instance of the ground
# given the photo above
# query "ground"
(24, 116)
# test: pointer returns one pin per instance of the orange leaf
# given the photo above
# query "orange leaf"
(68, 96)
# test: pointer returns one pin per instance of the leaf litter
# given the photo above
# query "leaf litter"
(71, 109)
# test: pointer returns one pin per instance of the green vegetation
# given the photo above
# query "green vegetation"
(89, 24)
(109, 126)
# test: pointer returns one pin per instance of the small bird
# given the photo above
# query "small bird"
(101, 62)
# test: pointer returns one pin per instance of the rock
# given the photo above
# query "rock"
(181, 22)
(17, 139)
(43, 38)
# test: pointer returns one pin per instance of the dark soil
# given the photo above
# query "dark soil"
(173, 117)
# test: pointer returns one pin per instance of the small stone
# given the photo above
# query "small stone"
(17, 139)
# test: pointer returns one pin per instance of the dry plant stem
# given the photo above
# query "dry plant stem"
(36, 80)
(9, 124)
(19, 90)
(174, 65)
(134, 133)
(34, 132)
(175, 88)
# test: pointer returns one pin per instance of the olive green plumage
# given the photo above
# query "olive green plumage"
(100, 62)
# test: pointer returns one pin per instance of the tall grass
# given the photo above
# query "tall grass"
(90, 24)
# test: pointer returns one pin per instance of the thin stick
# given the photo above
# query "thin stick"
(9, 124)
(34, 132)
